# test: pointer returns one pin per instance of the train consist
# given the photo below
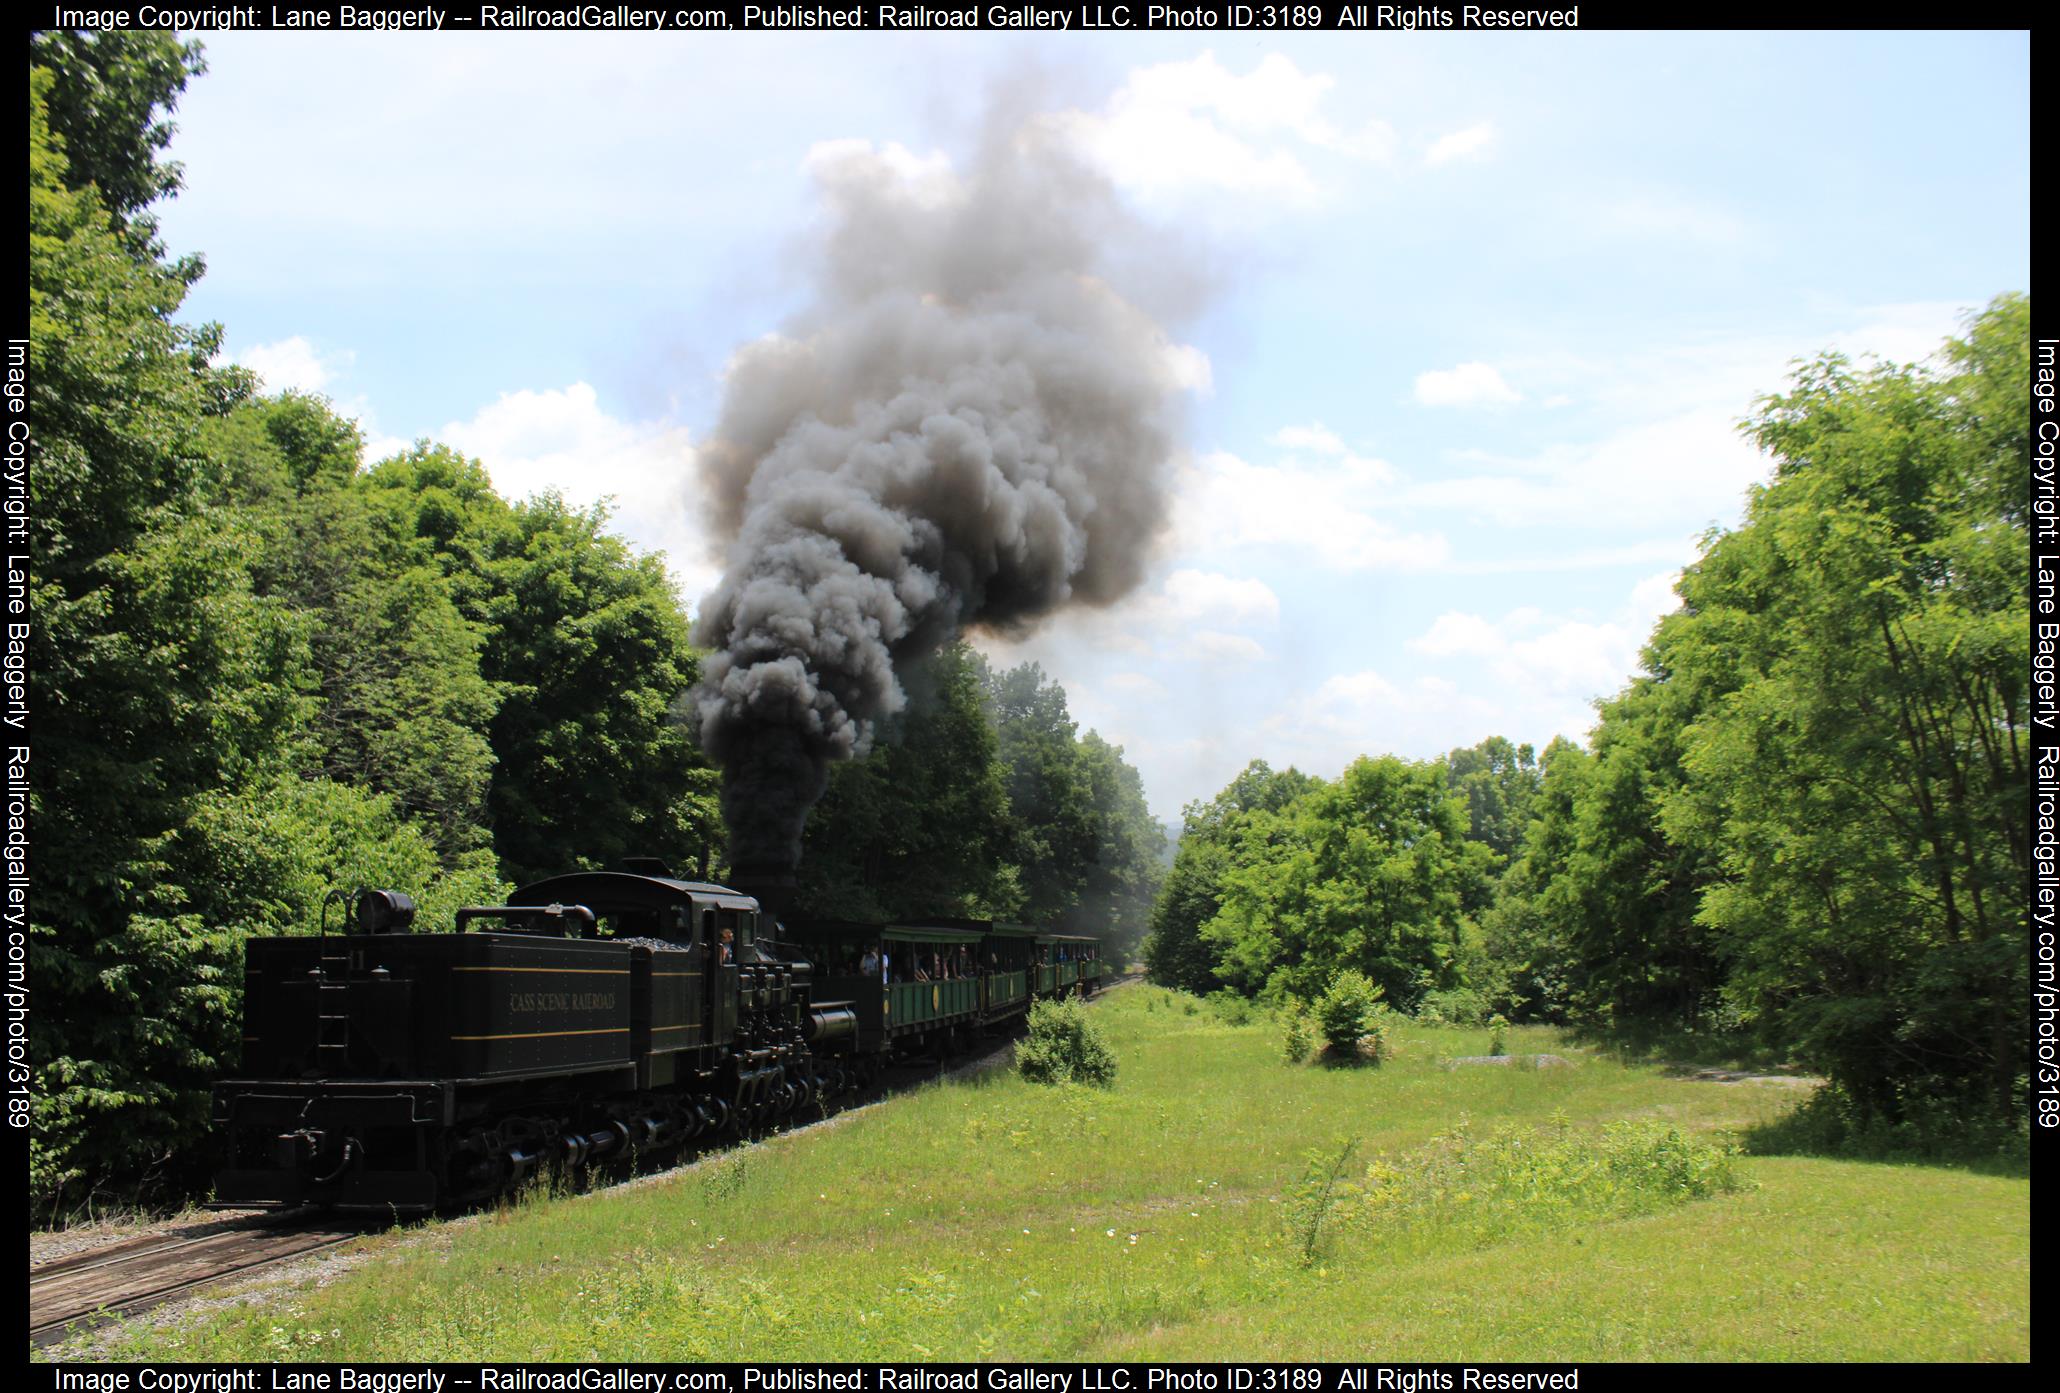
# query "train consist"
(594, 1016)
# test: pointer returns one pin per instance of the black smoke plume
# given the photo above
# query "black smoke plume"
(968, 427)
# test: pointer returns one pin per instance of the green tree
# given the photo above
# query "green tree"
(104, 115)
(1862, 783)
(1621, 896)
(1499, 780)
(400, 705)
(586, 645)
(1122, 881)
(1176, 954)
(1528, 938)
(1370, 873)
(1055, 828)
(159, 677)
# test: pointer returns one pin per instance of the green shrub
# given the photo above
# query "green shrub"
(1295, 1039)
(1342, 1010)
(1064, 1046)
(1455, 1006)
(1498, 1034)
(1230, 1008)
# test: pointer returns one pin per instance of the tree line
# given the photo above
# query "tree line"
(1803, 824)
(262, 669)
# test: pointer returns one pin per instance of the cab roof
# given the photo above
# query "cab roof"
(609, 891)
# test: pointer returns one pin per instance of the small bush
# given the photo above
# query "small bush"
(1230, 1008)
(1295, 1039)
(1064, 1046)
(1456, 1006)
(1498, 1034)
(1343, 1009)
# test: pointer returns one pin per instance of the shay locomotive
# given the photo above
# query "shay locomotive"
(594, 1016)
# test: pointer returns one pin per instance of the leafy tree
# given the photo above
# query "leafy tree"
(1122, 880)
(1528, 940)
(158, 674)
(1176, 954)
(1055, 826)
(1499, 780)
(586, 643)
(1862, 785)
(1370, 873)
(1621, 897)
(401, 706)
(104, 116)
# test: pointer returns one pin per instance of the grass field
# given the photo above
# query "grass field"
(1166, 1219)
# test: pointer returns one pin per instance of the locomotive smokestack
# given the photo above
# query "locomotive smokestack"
(968, 427)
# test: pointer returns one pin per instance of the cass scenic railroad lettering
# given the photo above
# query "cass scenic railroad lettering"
(561, 1001)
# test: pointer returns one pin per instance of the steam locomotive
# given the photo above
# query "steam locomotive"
(594, 1016)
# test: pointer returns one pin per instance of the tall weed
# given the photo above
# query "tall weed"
(1322, 1200)
(1483, 1189)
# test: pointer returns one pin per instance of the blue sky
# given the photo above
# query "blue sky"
(1483, 310)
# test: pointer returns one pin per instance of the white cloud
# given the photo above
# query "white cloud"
(1137, 684)
(1190, 595)
(1469, 384)
(1674, 461)
(1543, 659)
(842, 167)
(1453, 633)
(1469, 144)
(294, 365)
(1185, 616)
(1187, 368)
(1903, 333)
(1326, 512)
(1368, 713)
(561, 439)
(378, 444)
(1316, 438)
(1529, 676)
(1196, 124)
(1215, 646)
(1685, 471)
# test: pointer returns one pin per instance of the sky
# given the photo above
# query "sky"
(1470, 320)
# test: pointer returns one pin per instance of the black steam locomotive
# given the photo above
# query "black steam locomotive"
(595, 1016)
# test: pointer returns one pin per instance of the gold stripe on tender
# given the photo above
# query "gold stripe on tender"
(675, 974)
(545, 1034)
(656, 1028)
(567, 971)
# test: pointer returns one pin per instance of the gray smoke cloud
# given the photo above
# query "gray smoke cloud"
(969, 426)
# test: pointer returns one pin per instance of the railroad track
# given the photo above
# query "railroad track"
(122, 1279)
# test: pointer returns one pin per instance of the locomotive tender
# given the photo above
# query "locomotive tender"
(595, 1015)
